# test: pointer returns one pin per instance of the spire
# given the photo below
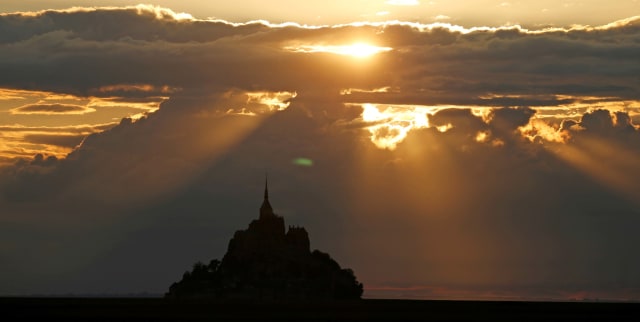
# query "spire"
(266, 187)
(265, 209)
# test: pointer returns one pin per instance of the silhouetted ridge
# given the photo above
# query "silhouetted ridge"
(264, 262)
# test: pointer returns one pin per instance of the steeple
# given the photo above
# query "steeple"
(265, 209)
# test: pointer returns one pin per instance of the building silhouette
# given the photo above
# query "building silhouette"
(265, 262)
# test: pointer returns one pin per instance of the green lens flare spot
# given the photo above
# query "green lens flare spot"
(303, 162)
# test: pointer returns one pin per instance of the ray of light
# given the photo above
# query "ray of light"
(607, 162)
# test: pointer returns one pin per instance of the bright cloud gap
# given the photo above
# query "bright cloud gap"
(258, 102)
(389, 125)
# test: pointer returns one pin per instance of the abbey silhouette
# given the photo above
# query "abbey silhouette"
(264, 262)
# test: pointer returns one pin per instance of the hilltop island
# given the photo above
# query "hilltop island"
(264, 262)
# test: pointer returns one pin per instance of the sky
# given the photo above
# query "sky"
(440, 149)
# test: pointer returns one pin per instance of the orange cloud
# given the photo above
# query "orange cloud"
(52, 109)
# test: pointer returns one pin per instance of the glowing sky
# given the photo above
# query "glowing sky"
(413, 139)
(463, 12)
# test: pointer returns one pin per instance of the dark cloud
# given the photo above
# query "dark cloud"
(76, 129)
(144, 22)
(462, 119)
(616, 127)
(510, 119)
(54, 108)
(40, 160)
(505, 122)
(430, 65)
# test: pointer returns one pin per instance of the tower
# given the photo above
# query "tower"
(265, 209)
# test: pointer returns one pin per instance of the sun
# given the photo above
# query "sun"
(360, 50)
(357, 50)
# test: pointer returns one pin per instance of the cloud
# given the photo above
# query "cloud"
(45, 112)
(506, 121)
(76, 129)
(70, 141)
(122, 89)
(49, 109)
(140, 46)
(19, 141)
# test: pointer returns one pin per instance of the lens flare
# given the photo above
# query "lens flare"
(304, 162)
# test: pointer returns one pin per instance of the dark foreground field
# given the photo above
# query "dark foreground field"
(155, 309)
